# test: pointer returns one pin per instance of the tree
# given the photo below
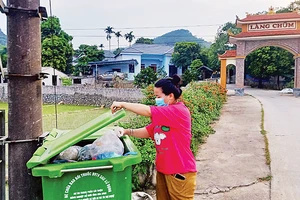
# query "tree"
(220, 45)
(192, 73)
(53, 53)
(269, 61)
(109, 31)
(290, 8)
(195, 68)
(161, 73)
(204, 57)
(144, 41)
(118, 35)
(3, 55)
(86, 54)
(185, 53)
(129, 36)
(146, 77)
(101, 46)
(187, 77)
(57, 49)
(118, 51)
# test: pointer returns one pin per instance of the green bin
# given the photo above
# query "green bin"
(86, 180)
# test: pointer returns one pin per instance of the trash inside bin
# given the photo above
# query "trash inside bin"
(108, 178)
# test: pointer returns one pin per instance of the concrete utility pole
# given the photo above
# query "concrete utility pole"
(24, 95)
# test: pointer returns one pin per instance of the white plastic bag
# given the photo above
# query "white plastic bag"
(107, 146)
(70, 153)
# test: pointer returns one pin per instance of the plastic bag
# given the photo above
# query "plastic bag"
(70, 153)
(85, 153)
(107, 146)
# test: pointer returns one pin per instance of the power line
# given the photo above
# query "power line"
(145, 27)
(138, 36)
(52, 62)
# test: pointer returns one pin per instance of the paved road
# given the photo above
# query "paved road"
(232, 160)
(282, 123)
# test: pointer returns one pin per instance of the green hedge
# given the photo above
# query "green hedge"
(204, 101)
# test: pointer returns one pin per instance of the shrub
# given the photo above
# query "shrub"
(147, 150)
(161, 73)
(290, 84)
(187, 77)
(204, 101)
(66, 81)
(149, 95)
(146, 77)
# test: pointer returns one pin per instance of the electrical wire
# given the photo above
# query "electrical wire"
(54, 75)
(138, 36)
(145, 27)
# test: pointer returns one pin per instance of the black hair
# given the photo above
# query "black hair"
(170, 85)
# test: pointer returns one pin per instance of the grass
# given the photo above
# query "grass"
(264, 133)
(68, 116)
(50, 109)
(267, 178)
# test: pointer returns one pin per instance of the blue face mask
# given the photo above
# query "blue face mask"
(160, 102)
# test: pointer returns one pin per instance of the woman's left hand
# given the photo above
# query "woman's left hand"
(119, 131)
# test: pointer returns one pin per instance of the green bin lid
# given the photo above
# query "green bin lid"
(57, 141)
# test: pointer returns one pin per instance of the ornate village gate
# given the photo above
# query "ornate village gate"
(282, 30)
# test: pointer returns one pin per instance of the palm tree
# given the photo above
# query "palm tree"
(129, 36)
(118, 35)
(101, 46)
(109, 31)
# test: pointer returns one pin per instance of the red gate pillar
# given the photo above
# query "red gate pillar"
(297, 77)
(240, 73)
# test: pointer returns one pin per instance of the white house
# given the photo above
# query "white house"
(137, 57)
(53, 75)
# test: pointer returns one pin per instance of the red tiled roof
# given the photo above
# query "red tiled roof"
(267, 33)
(228, 54)
(278, 16)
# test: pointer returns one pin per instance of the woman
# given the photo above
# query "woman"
(170, 129)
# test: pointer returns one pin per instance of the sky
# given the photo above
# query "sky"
(86, 20)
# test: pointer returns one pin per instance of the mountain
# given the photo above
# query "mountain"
(180, 35)
(3, 38)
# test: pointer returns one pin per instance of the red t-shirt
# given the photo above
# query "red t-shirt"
(171, 131)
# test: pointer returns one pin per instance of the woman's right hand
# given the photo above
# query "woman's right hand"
(115, 106)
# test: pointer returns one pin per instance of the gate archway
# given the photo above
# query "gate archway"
(271, 29)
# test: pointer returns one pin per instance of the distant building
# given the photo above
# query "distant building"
(54, 76)
(137, 57)
(108, 55)
(205, 72)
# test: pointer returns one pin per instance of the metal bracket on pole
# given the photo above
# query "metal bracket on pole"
(39, 76)
(41, 12)
(5, 140)
(2, 140)
(3, 8)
